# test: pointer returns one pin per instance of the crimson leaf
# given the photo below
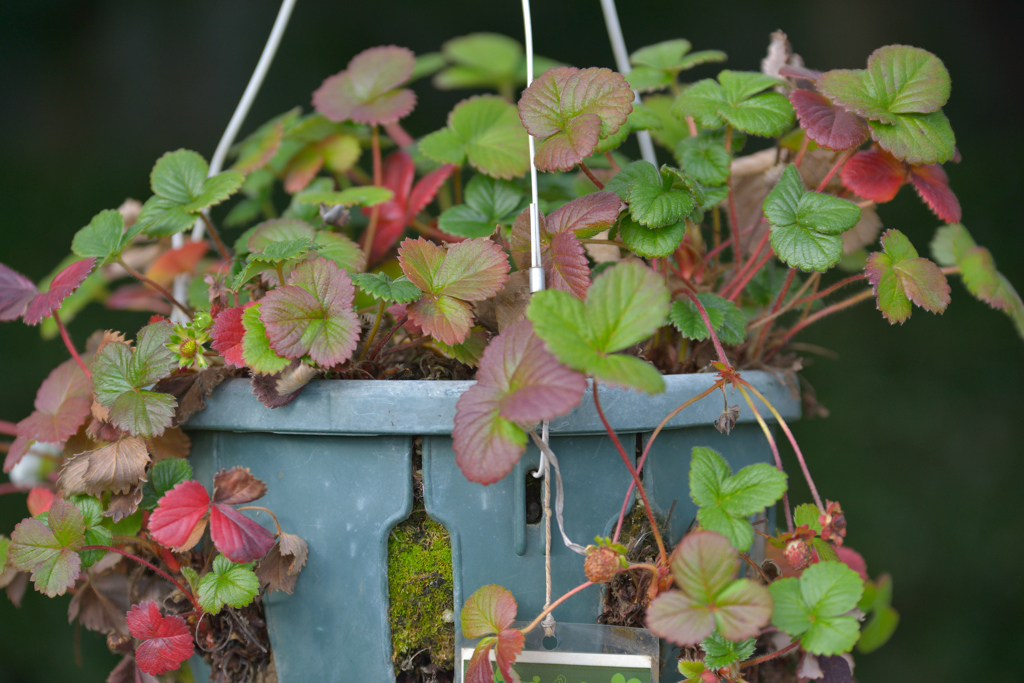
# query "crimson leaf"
(166, 641)
(830, 126)
(43, 304)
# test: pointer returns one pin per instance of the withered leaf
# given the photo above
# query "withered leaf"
(123, 505)
(99, 430)
(191, 390)
(16, 588)
(280, 568)
(727, 420)
(510, 303)
(280, 389)
(237, 486)
(100, 338)
(173, 443)
(116, 467)
(101, 603)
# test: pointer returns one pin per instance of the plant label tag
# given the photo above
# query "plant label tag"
(581, 653)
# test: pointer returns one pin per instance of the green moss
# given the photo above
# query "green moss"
(421, 592)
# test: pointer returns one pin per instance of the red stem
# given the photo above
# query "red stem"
(215, 236)
(768, 657)
(163, 290)
(846, 303)
(775, 309)
(663, 557)
(161, 572)
(382, 342)
(733, 215)
(741, 273)
(839, 162)
(398, 134)
(8, 428)
(711, 328)
(533, 624)
(71, 347)
(828, 290)
(593, 178)
(10, 487)
(371, 229)
(738, 289)
(803, 150)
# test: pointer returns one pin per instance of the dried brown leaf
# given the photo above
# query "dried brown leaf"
(173, 443)
(72, 476)
(117, 467)
(510, 303)
(192, 389)
(123, 505)
(237, 486)
(280, 568)
(101, 603)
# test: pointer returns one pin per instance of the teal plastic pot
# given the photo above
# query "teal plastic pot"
(338, 463)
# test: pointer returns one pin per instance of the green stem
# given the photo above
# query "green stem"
(457, 184)
(373, 330)
(71, 347)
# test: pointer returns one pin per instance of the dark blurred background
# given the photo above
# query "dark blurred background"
(924, 446)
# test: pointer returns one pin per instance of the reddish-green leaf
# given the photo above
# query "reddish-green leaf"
(899, 276)
(45, 303)
(509, 645)
(488, 611)
(180, 517)
(62, 404)
(704, 567)
(570, 109)
(16, 291)
(166, 641)
(313, 315)
(874, 174)
(256, 351)
(48, 550)
(472, 270)
(240, 538)
(519, 383)
(228, 332)
(479, 669)
(365, 91)
(830, 126)
(932, 184)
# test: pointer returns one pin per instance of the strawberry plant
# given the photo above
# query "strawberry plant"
(651, 271)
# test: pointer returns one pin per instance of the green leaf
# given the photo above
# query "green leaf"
(96, 532)
(192, 576)
(658, 65)
(704, 157)
(104, 237)
(129, 526)
(916, 138)
(120, 374)
(733, 99)
(814, 607)
(899, 80)
(899, 276)
(164, 476)
(663, 55)
(653, 199)
(365, 195)
(726, 500)
(884, 619)
(162, 217)
(485, 132)
(256, 351)
(469, 351)
(381, 286)
(488, 203)
(624, 305)
(5, 544)
(807, 515)
(651, 242)
(179, 176)
(728, 321)
(47, 550)
(182, 190)
(806, 226)
(720, 653)
(953, 245)
(826, 553)
(227, 583)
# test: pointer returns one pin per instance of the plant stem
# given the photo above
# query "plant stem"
(733, 216)
(590, 174)
(8, 487)
(611, 243)
(716, 223)
(803, 150)
(216, 236)
(382, 342)
(163, 290)
(792, 442)
(547, 610)
(371, 229)
(262, 509)
(457, 185)
(846, 303)
(398, 134)
(775, 452)
(751, 272)
(161, 572)
(950, 270)
(772, 655)
(741, 273)
(8, 428)
(408, 345)
(691, 125)
(835, 167)
(775, 309)
(611, 161)
(433, 233)
(373, 330)
(650, 442)
(67, 343)
(663, 556)
(711, 328)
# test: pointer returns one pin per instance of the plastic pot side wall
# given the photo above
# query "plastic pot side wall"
(338, 467)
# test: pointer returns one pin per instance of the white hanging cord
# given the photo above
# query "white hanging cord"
(611, 20)
(237, 119)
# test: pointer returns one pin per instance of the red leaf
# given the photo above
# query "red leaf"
(874, 174)
(62, 403)
(227, 336)
(179, 519)
(167, 641)
(39, 500)
(394, 215)
(16, 291)
(830, 126)
(569, 269)
(587, 215)
(480, 669)
(510, 644)
(489, 610)
(65, 282)
(174, 262)
(240, 538)
(932, 184)
(19, 447)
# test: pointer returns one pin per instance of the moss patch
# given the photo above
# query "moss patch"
(421, 593)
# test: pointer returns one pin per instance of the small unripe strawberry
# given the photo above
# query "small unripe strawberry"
(601, 564)
(798, 554)
(833, 523)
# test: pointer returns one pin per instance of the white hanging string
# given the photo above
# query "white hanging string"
(611, 20)
(228, 138)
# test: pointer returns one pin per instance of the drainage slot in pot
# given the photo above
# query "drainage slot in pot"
(534, 498)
